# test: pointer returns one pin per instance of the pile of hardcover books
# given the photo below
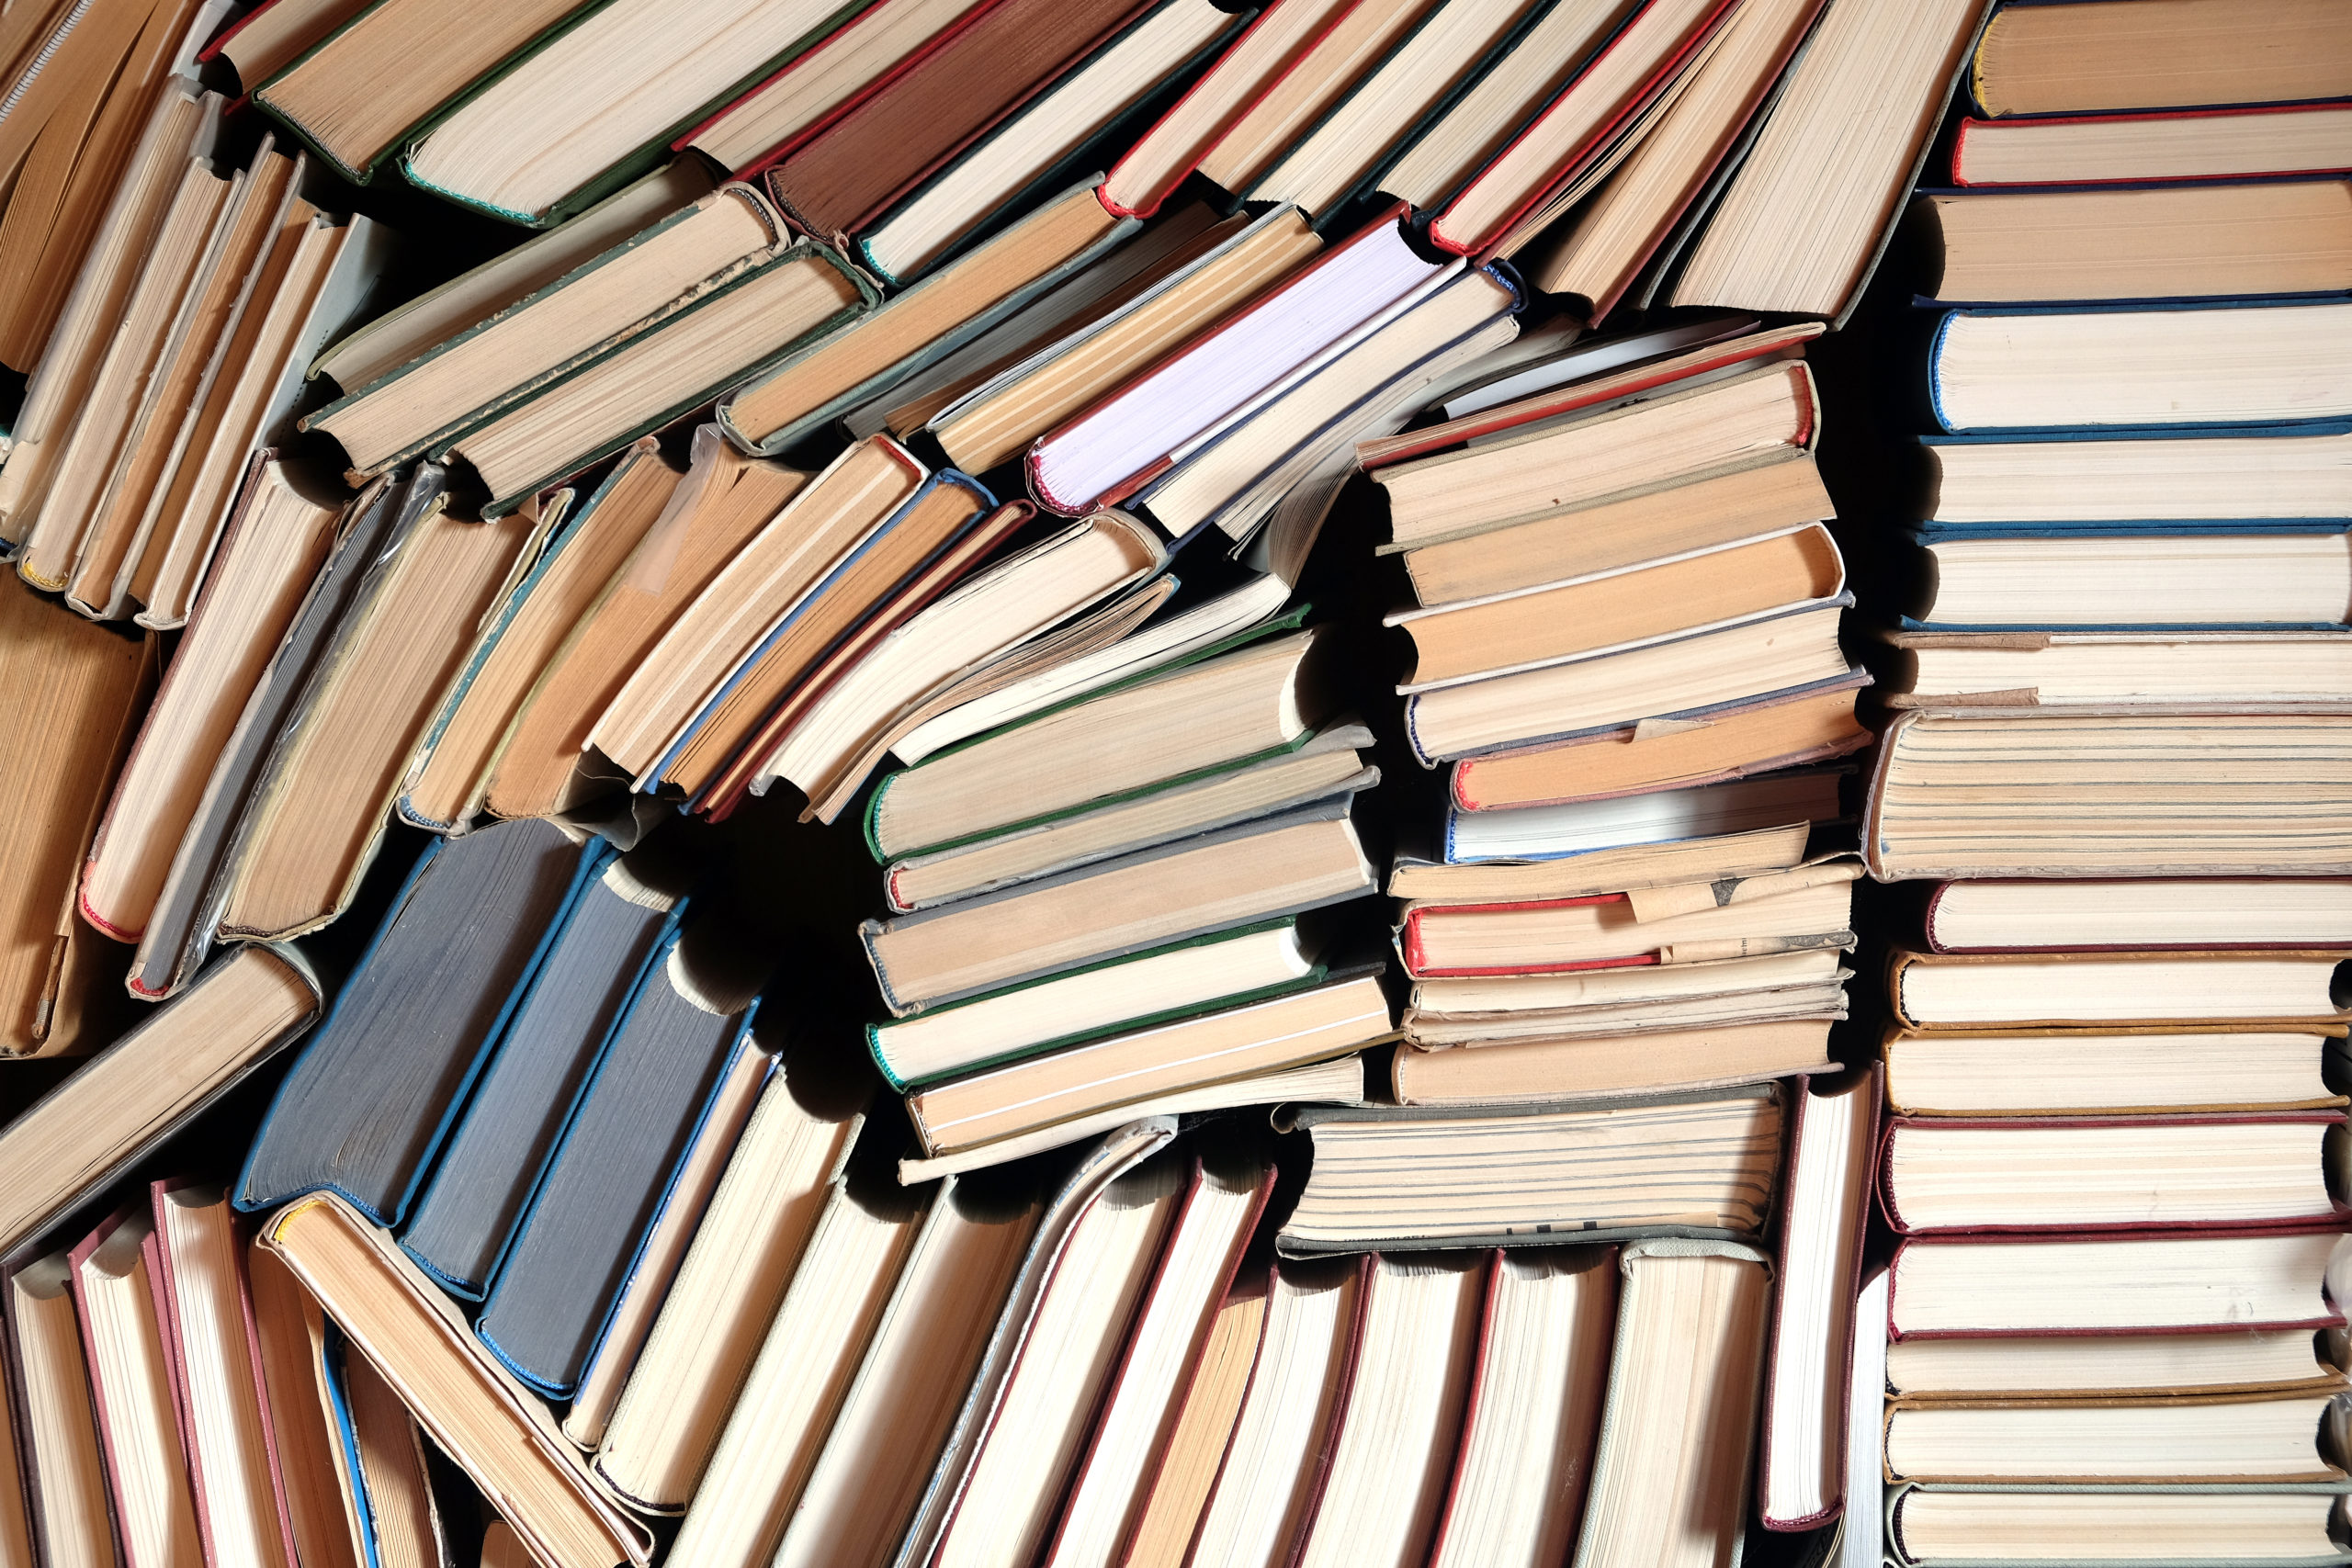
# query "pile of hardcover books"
(520, 510)
(2116, 1063)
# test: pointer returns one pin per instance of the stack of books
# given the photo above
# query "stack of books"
(2118, 682)
(539, 448)
(1627, 658)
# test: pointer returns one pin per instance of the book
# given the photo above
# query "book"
(205, 1314)
(1780, 729)
(1549, 1316)
(272, 35)
(1082, 349)
(506, 1444)
(910, 1385)
(663, 1417)
(1596, 255)
(1297, 1396)
(449, 777)
(1165, 727)
(1801, 1474)
(607, 299)
(1387, 1468)
(1523, 1172)
(315, 815)
(2152, 242)
(2146, 1068)
(1213, 881)
(1588, 1004)
(909, 331)
(827, 746)
(2180, 579)
(15, 1523)
(2154, 818)
(898, 565)
(597, 99)
(273, 550)
(1685, 1378)
(1871, 77)
(1330, 763)
(1999, 916)
(2083, 1174)
(86, 690)
(779, 570)
(670, 1090)
(1139, 1428)
(1337, 1080)
(1121, 441)
(1030, 1444)
(1930, 1524)
(1254, 1038)
(330, 96)
(1676, 861)
(1691, 677)
(2191, 1439)
(1555, 935)
(621, 919)
(55, 1425)
(179, 931)
(287, 1324)
(1582, 456)
(122, 1103)
(807, 1355)
(1528, 628)
(2074, 57)
(2232, 1361)
(821, 82)
(2218, 364)
(360, 1118)
(1546, 1071)
(721, 504)
(1208, 1403)
(175, 131)
(401, 334)
(1660, 816)
(1564, 150)
(2228, 985)
(1862, 1529)
(2198, 144)
(111, 1273)
(2059, 669)
(1084, 116)
(2159, 478)
(607, 399)
(393, 1513)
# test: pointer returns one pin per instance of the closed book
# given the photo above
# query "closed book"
(2280, 1522)
(2241, 141)
(2071, 57)
(2190, 1437)
(129, 1360)
(663, 1081)
(124, 1102)
(370, 1101)
(2117, 1173)
(618, 924)
(496, 1432)
(2202, 914)
(2135, 1067)
(2301, 668)
(2230, 987)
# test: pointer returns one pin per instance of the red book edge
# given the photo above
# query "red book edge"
(211, 51)
(73, 1261)
(1960, 141)
(2289, 1223)
(1150, 203)
(1470, 1407)
(1649, 89)
(824, 121)
(1569, 399)
(1416, 952)
(1894, 1335)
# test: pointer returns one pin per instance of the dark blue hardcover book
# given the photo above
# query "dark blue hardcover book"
(501, 1144)
(613, 1171)
(370, 1098)
(1920, 596)
(2231, 365)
